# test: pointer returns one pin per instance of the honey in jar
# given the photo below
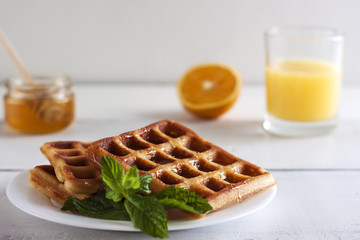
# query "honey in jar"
(43, 106)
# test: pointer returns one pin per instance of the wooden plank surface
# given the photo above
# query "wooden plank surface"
(340, 150)
(308, 205)
(318, 177)
(109, 110)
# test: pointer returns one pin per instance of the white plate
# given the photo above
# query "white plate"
(24, 197)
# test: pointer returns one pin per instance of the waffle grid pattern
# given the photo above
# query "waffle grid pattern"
(177, 156)
(71, 166)
(170, 152)
(43, 178)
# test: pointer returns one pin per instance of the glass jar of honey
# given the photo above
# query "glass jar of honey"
(43, 106)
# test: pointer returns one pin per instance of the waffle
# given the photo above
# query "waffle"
(173, 154)
(72, 168)
(43, 179)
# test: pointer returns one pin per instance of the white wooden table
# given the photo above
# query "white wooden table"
(318, 177)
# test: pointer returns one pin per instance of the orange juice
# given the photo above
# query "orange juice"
(301, 90)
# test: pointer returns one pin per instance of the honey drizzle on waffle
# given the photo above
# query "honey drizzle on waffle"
(71, 167)
(171, 153)
(44, 180)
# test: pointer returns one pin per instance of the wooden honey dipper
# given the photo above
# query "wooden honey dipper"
(46, 110)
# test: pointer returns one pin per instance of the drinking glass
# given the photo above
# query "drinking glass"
(303, 79)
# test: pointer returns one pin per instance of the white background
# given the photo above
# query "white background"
(157, 40)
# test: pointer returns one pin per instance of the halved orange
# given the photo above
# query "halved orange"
(209, 90)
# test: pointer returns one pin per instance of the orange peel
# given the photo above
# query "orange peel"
(209, 90)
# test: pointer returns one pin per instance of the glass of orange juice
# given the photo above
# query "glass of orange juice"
(303, 80)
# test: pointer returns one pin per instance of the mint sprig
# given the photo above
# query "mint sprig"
(124, 199)
(145, 181)
(174, 197)
(112, 175)
(147, 214)
(97, 206)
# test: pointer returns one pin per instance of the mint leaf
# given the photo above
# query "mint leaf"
(131, 180)
(69, 204)
(97, 206)
(112, 175)
(148, 215)
(175, 197)
(122, 200)
(110, 194)
(145, 181)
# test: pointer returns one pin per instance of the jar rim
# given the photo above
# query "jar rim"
(42, 82)
(45, 85)
(304, 33)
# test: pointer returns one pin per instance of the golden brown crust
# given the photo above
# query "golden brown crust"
(43, 179)
(172, 153)
(71, 166)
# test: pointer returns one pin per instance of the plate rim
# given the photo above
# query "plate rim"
(263, 197)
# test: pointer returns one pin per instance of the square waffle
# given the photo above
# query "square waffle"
(43, 179)
(72, 168)
(173, 154)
